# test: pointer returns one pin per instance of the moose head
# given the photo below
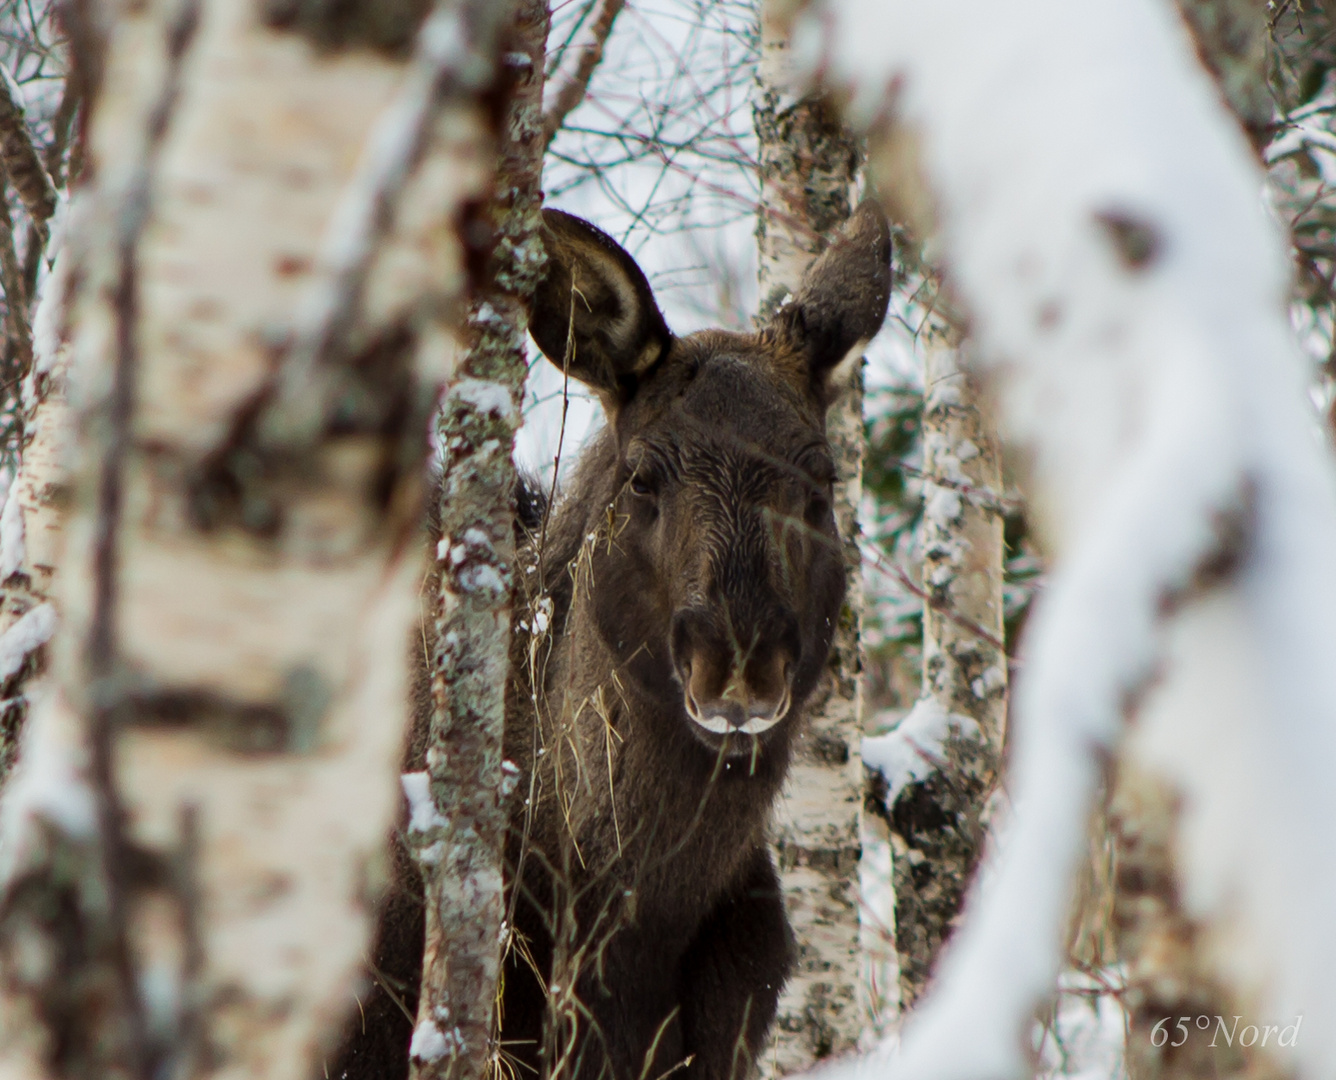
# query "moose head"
(722, 575)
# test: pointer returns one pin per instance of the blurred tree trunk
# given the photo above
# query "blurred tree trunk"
(460, 854)
(807, 165)
(1171, 971)
(267, 273)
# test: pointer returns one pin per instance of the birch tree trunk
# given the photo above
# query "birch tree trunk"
(30, 533)
(940, 822)
(460, 851)
(268, 271)
(807, 165)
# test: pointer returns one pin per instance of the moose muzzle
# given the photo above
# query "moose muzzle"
(734, 684)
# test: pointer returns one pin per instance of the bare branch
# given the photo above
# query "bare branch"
(17, 327)
(574, 88)
(20, 157)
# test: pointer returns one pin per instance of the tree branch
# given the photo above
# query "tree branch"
(576, 86)
(20, 157)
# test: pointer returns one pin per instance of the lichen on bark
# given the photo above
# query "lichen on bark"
(460, 858)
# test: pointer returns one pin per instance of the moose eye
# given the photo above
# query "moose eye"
(818, 506)
(641, 487)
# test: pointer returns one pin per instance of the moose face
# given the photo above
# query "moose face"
(722, 574)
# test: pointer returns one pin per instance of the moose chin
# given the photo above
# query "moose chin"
(691, 576)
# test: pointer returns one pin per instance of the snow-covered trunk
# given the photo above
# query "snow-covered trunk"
(1168, 970)
(30, 522)
(1100, 220)
(807, 166)
(939, 821)
(193, 839)
(459, 849)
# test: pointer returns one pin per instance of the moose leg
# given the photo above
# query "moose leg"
(731, 976)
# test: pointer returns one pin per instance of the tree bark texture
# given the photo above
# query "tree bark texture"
(459, 853)
(807, 164)
(939, 824)
(266, 280)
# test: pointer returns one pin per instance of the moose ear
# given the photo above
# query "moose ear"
(842, 300)
(593, 314)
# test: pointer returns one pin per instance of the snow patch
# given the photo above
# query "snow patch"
(909, 753)
(48, 784)
(422, 813)
(31, 632)
(13, 549)
(430, 1043)
(482, 578)
(486, 396)
(942, 506)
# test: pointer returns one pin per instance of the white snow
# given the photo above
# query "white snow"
(49, 784)
(33, 630)
(430, 1043)
(486, 396)
(50, 314)
(1086, 1039)
(13, 550)
(483, 578)
(941, 505)
(422, 813)
(910, 752)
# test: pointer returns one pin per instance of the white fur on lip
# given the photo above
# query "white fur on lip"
(721, 725)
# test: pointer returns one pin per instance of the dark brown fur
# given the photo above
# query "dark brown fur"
(695, 561)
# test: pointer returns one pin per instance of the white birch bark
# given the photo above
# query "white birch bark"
(940, 819)
(195, 835)
(1099, 215)
(30, 521)
(807, 167)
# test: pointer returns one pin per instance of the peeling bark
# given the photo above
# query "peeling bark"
(807, 166)
(192, 840)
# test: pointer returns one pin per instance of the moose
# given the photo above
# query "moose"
(674, 611)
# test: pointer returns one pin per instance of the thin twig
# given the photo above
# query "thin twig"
(941, 607)
(576, 86)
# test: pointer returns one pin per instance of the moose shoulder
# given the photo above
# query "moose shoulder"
(674, 611)
(676, 619)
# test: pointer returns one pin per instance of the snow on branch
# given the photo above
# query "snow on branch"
(1102, 220)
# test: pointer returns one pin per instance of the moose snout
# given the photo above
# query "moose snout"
(733, 683)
